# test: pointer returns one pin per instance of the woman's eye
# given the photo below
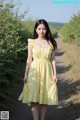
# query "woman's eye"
(41, 28)
(44, 28)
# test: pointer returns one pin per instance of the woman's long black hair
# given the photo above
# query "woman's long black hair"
(48, 32)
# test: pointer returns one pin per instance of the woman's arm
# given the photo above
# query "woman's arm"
(53, 61)
(28, 63)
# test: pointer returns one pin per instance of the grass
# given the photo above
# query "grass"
(71, 57)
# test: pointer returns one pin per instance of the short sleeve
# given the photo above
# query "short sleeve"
(30, 43)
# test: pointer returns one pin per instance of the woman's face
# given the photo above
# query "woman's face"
(41, 30)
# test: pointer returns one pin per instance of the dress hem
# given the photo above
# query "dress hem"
(29, 103)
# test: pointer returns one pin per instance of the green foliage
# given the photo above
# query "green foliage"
(65, 31)
(13, 47)
(75, 25)
(53, 31)
(71, 31)
(29, 25)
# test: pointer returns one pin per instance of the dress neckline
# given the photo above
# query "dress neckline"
(41, 45)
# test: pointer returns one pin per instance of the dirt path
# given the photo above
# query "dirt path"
(23, 112)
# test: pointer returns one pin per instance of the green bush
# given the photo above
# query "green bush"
(13, 49)
(71, 31)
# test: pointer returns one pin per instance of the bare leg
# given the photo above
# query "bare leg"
(44, 109)
(34, 109)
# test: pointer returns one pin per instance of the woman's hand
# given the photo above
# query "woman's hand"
(55, 79)
(25, 79)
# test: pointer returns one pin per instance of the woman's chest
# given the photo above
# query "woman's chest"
(42, 50)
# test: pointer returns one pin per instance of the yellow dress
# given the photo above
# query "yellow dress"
(40, 87)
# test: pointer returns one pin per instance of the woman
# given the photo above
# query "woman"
(40, 79)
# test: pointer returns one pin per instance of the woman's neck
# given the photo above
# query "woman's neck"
(41, 38)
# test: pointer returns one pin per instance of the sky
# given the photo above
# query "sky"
(46, 9)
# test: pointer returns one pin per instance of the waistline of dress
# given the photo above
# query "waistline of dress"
(41, 59)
